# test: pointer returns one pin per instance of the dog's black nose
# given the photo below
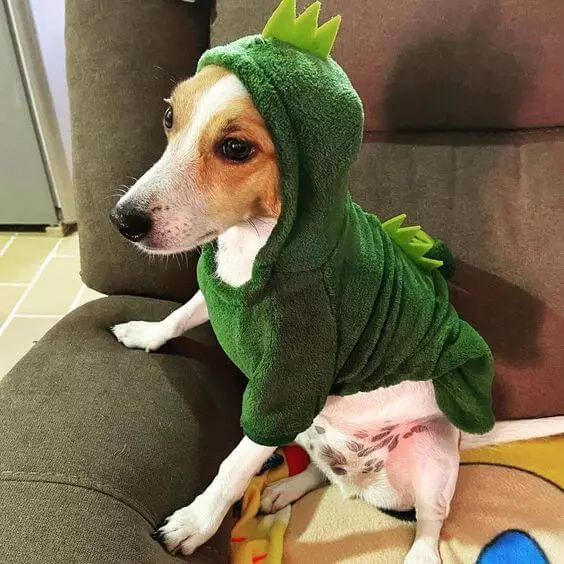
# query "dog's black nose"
(132, 223)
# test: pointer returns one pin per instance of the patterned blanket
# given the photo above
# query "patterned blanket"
(508, 509)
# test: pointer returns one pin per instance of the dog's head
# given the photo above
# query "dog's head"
(219, 169)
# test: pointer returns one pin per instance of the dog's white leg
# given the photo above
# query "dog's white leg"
(188, 528)
(434, 459)
(282, 493)
(151, 335)
(424, 549)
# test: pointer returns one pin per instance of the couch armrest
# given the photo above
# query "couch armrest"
(100, 443)
(123, 58)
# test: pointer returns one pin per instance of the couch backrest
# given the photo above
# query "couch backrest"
(460, 76)
(463, 99)
(477, 82)
(438, 64)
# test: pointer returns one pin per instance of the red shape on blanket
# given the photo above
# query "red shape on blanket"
(296, 457)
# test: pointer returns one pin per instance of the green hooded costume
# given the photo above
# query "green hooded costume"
(338, 303)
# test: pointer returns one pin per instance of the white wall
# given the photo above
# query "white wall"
(49, 18)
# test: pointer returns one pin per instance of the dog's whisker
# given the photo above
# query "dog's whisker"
(263, 221)
(250, 222)
(119, 192)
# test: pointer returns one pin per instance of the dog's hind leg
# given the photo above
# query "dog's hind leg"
(433, 458)
(279, 494)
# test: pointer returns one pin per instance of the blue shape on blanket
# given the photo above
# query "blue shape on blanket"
(512, 547)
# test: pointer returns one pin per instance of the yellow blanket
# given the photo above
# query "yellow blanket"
(260, 538)
(508, 509)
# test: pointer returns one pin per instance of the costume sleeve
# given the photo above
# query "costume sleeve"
(291, 383)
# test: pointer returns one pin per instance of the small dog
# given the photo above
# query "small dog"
(219, 179)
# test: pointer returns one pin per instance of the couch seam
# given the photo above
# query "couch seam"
(78, 482)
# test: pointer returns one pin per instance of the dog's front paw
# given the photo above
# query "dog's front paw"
(190, 527)
(146, 335)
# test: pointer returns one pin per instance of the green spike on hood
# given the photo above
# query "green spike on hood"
(303, 32)
(414, 242)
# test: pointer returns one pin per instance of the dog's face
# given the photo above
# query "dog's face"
(219, 169)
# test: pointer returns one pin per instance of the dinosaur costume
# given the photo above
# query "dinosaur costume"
(338, 302)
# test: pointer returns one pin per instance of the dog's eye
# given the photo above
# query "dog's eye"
(236, 149)
(168, 118)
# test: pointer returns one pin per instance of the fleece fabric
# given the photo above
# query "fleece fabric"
(334, 306)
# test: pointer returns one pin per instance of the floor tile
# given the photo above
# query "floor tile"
(9, 296)
(69, 245)
(23, 257)
(36, 234)
(55, 290)
(4, 239)
(19, 337)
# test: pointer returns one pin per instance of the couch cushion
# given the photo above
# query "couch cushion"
(50, 523)
(84, 414)
(440, 64)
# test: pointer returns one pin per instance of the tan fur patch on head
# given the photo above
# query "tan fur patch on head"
(231, 191)
(249, 188)
(185, 96)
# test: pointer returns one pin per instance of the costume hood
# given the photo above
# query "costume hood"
(316, 119)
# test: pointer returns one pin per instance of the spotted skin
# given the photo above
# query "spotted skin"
(358, 457)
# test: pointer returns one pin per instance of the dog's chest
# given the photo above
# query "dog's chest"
(238, 248)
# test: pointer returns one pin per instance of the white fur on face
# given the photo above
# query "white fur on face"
(168, 191)
(224, 92)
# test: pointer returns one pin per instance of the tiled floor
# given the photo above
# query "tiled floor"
(39, 283)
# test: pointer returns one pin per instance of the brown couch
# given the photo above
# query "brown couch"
(464, 104)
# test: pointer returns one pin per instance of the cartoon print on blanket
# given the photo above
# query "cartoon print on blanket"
(260, 538)
(508, 507)
(526, 526)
